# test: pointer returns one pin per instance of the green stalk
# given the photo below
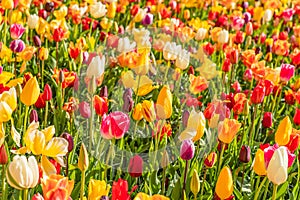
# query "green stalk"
(25, 194)
(274, 192)
(252, 125)
(202, 187)
(259, 189)
(5, 24)
(221, 157)
(82, 185)
(184, 178)
(46, 114)
(3, 183)
(91, 131)
(25, 119)
(164, 181)
(167, 71)
(266, 190)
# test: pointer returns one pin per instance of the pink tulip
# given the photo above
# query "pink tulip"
(269, 151)
(287, 71)
(84, 109)
(16, 31)
(187, 149)
(114, 125)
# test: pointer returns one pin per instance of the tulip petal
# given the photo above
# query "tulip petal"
(15, 134)
(56, 147)
(188, 133)
(47, 167)
(37, 144)
(33, 165)
(48, 132)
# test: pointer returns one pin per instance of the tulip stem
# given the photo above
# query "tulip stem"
(252, 125)
(221, 157)
(167, 71)
(202, 186)
(260, 187)
(46, 114)
(25, 119)
(42, 74)
(164, 181)
(25, 194)
(82, 185)
(57, 54)
(266, 190)
(184, 178)
(91, 125)
(3, 182)
(5, 24)
(274, 192)
(243, 176)
(275, 98)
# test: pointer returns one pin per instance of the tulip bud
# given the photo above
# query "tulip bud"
(187, 149)
(226, 65)
(17, 46)
(103, 91)
(249, 28)
(277, 171)
(135, 167)
(128, 102)
(246, 109)
(245, 154)
(32, 21)
(84, 109)
(297, 117)
(210, 160)
(294, 142)
(47, 94)
(164, 103)
(49, 6)
(83, 159)
(224, 186)
(30, 92)
(195, 183)
(43, 53)
(234, 56)
(259, 163)
(137, 114)
(185, 118)
(92, 85)
(267, 120)
(3, 155)
(61, 76)
(282, 135)
(148, 19)
(33, 116)
(258, 95)
(37, 41)
(165, 159)
(69, 138)
(148, 111)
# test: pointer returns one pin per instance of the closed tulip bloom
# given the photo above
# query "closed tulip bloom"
(245, 154)
(201, 34)
(170, 51)
(195, 183)
(137, 113)
(267, 120)
(7, 4)
(100, 105)
(120, 190)
(135, 167)
(127, 99)
(3, 155)
(148, 19)
(111, 9)
(164, 103)
(114, 125)
(249, 28)
(296, 118)
(223, 36)
(148, 111)
(17, 46)
(97, 10)
(268, 15)
(16, 31)
(259, 163)
(47, 94)
(56, 187)
(30, 92)
(43, 53)
(84, 109)
(187, 149)
(5, 112)
(96, 69)
(32, 21)
(83, 159)
(277, 170)
(224, 186)
(210, 160)
(33, 116)
(258, 95)
(287, 71)
(97, 189)
(282, 135)
(22, 173)
(183, 59)
(69, 139)
(227, 130)
(294, 142)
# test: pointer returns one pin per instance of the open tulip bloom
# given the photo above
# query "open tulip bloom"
(178, 99)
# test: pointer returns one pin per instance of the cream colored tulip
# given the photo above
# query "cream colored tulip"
(277, 171)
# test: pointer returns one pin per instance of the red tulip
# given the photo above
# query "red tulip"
(210, 160)
(47, 94)
(114, 125)
(3, 155)
(135, 167)
(187, 149)
(234, 56)
(294, 142)
(40, 103)
(245, 154)
(226, 65)
(100, 105)
(268, 85)
(287, 71)
(58, 34)
(16, 31)
(33, 116)
(289, 97)
(267, 120)
(258, 95)
(248, 75)
(120, 190)
(249, 28)
(297, 117)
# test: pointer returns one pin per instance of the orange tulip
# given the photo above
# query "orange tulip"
(164, 103)
(228, 129)
(282, 136)
(259, 163)
(198, 84)
(224, 187)
(148, 111)
(56, 187)
(30, 92)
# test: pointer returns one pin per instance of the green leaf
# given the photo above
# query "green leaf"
(176, 191)
(282, 190)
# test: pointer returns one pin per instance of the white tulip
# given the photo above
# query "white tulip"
(124, 45)
(223, 36)
(98, 10)
(141, 36)
(201, 33)
(277, 170)
(183, 59)
(171, 50)
(22, 173)
(33, 21)
(268, 15)
(96, 67)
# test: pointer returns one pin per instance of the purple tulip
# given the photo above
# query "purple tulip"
(187, 150)
(185, 118)
(37, 41)
(128, 102)
(148, 19)
(33, 116)
(17, 46)
(69, 138)
(85, 109)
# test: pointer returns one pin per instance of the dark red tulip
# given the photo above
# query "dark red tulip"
(40, 103)
(135, 167)
(69, 138)
(245, 154)
(47, 94)
(267, 120)
(33, 116)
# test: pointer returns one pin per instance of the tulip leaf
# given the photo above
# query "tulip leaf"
(176, 191)
(237, 193)
(281, 191)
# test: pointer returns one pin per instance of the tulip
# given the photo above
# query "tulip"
(69, 139)
(277, 170)
(187, 149)
(33, 116)
(198, 84)
(120, 190)
(32, 21)
(259, 163)
(5, 112)
(282, 135)
(137, 113)
(43, 53)
(148, 111)
(83, 159)
(143, 196)
(22, 173)
(148, 19)
(227, 130)
(135, 167)
(84, 109)
(210, 160)
(248, 75)
(111, 10)
(16, 31)
(245, 154)
(128, 101)
(3, 156)
(296, 118)
(258, 95)
(97, 10)
(17, 46)
(165, 159)
(100, 105)
(268, 15)
(97, 189)
(293, 143)
(195, 183)
(114, 125)
(30, 92)
(47, 94)
(37, 196)
(183, 59)
(49, 6)
(56, 187)
(58, 34)
(201, 34)
(7, 4)
(170, 51)
(164, 103)
(96, 69)
(249, 28)
(224, 186)
(223, 36)
(287, 71)
(267, 120)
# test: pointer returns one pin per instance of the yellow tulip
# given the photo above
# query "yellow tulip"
(30, 92)
(144, 86)
(43, 53)
(195, 183)
(7, 4)
(282, 135)
(27, 53)
(148, 111)
(97, 189)
(127, 79)
(61, 13)
(15, 17)
(224, 187)
(2, 133)
(111, 10)
(164, 103)
(259, 163)
(143, 196)
(5, 112)
(10, 97)
(105, 23)
(137, 112)
(83, 160)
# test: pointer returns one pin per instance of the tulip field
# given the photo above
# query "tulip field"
(149, 99)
